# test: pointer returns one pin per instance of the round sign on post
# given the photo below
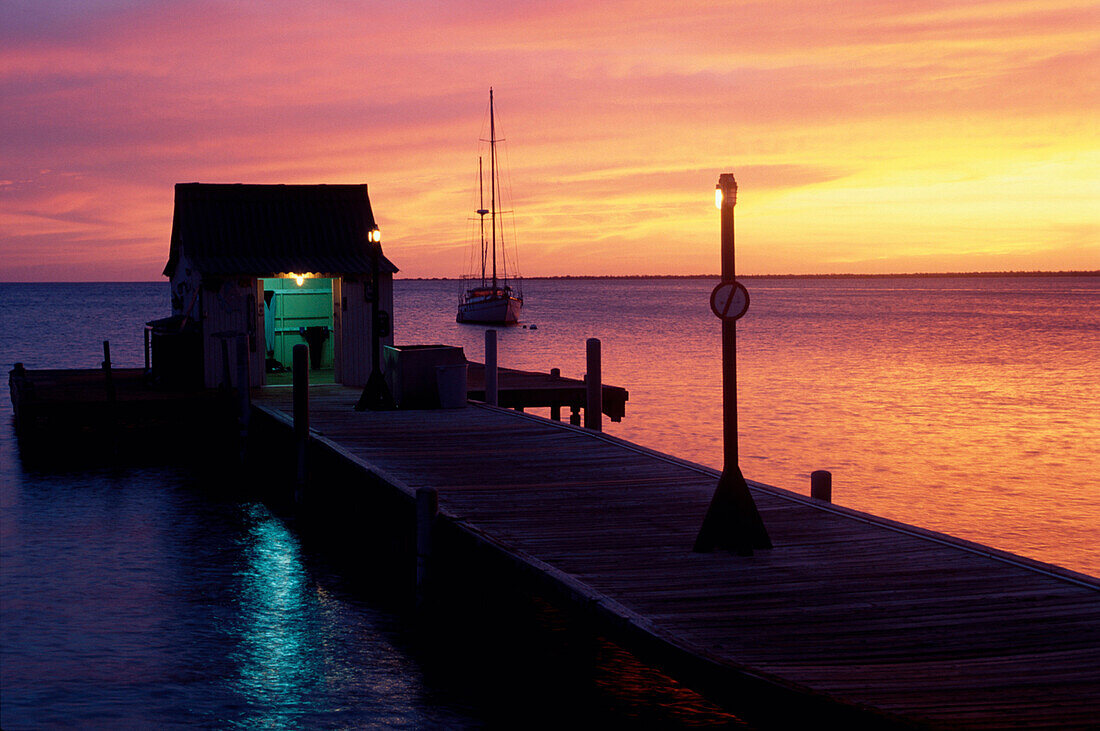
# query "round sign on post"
(729, 300)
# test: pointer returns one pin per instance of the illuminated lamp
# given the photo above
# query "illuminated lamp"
(375, 235)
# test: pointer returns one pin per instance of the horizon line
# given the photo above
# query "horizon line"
(842, 275)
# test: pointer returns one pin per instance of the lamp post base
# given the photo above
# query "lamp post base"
(732, 522)
(376, 394)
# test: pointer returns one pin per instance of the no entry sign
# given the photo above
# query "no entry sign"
(729, 300)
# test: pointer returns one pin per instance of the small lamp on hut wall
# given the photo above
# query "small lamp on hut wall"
(376, 394)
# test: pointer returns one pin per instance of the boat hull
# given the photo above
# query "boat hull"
(491, 311)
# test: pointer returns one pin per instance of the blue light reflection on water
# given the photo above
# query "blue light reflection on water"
(144, 597)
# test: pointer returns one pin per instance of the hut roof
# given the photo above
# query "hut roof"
(265, 230)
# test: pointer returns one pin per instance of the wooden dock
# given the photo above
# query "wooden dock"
(849, 617)
(533, 389)
(77, 398)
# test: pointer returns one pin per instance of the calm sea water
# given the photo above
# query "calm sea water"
(141, 596)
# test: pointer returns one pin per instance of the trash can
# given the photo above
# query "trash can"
(451, 381)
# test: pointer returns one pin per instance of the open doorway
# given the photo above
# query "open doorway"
(298, 310)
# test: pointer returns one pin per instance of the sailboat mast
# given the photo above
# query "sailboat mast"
(492, 182)
(481, 212)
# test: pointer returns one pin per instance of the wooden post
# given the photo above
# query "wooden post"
(17, 383)
(108, 381)
(301, 415)
(244, 391)
(821, 485)
(555, 408)
(109, 385)
(491, 367)
(593, 381)
(574, 415)
(226, 382)
(427, 508)
(148, 353)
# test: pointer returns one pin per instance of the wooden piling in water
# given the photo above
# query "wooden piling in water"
(108, 381)
(301, 415)
(593, 410)
(555, 410)
(111, 412)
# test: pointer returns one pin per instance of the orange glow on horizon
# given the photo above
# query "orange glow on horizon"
(868, 137)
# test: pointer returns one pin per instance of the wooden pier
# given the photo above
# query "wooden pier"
(849, 618)
(79, 398)
(533, 389)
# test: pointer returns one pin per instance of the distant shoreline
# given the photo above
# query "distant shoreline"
(912, 275)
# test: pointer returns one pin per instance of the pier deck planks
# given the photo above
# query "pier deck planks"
(903, 620)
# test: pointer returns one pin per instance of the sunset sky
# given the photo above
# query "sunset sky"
(866, 136)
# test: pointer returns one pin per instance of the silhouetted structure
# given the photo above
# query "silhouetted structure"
(273, 263)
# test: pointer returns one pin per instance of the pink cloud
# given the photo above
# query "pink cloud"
(599, 100)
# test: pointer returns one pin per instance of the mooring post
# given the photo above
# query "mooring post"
(244, 391)
(17, 383)
(821, 485)
(593, 382)
(301, 415)
(491, 367)
(148, 351)
(108, 380)
(574, 415)
(555, 408)
(427, 507)
(109, 386)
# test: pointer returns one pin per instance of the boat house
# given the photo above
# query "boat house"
(279, 265)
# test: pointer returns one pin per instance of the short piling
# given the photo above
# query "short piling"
(593, 410)
(301, 416)
(821, 485)
(244, 392)
(17, 382)
(491, 391)
(427, 507)
(148, 351)
(555, 409)
(108, 379)
(111, 413)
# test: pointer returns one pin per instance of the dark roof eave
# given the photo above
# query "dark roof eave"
(263, 230)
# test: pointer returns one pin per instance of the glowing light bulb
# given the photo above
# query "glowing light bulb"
(298, 279)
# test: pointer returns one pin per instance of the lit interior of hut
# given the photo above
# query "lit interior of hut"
(298, 309)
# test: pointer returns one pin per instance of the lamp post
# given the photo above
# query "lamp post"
(376, 394)
(732, 521)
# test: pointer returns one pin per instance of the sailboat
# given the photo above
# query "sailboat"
(491, 300)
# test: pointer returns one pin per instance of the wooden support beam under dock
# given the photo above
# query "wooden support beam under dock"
(849, 617)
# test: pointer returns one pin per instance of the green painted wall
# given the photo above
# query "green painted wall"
(291, 307)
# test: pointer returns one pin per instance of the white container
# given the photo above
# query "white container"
(451, 381)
